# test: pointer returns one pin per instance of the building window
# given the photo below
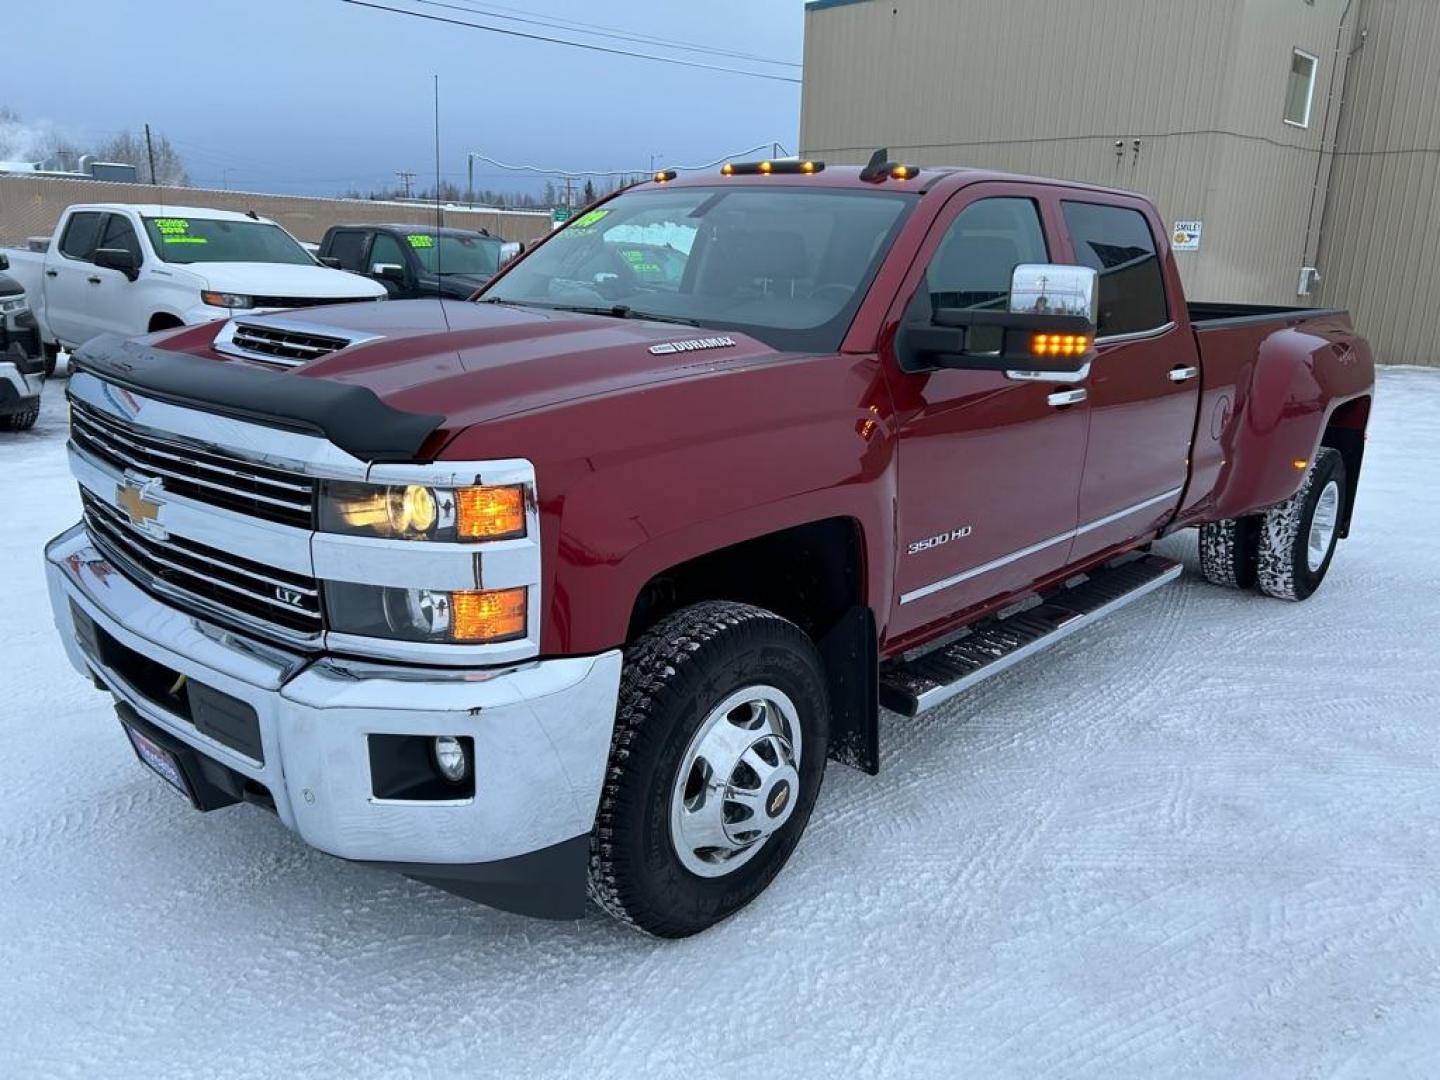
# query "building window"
(1300, 90)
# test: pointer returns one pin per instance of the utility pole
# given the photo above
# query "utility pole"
(407, 177)
(150, 150)
(470, 179)
(569, 194)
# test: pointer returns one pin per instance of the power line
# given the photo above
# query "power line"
(601, 31)
(774, 147)
(572, 44)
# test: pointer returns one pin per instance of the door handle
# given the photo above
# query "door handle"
(1062, 398)
(1184, 373)
(52, 273)
(93, 280)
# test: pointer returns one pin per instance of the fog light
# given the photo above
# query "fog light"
(450, 758)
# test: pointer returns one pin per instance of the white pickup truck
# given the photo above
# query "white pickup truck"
(113, 268)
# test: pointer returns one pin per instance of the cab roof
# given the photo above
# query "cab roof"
(170, 210)
(943, 178)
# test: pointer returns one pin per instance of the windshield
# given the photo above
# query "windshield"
(786, 265)
(197, 240)
(477, 255)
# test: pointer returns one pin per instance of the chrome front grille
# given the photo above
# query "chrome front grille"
(202, 475)
(218, 579)
(286, 346)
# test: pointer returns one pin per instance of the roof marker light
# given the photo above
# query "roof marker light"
(665, 176)
(772, 168)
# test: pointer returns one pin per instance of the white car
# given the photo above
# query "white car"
(114, 268)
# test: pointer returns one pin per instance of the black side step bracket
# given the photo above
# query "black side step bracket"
(991, 646)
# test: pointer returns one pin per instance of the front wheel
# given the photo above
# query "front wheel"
(717, 759)
(1298, 537)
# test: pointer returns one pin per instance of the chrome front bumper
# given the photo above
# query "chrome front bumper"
(541, 729)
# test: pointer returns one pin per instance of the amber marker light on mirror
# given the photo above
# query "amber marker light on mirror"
(490, 513)
(1059, 344)
(488, 615)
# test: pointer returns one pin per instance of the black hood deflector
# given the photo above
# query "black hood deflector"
(351, 417)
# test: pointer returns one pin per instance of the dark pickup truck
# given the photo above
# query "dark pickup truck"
(415, 260)
(576, 587)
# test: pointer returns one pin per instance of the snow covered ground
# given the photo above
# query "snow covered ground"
(1203, 841)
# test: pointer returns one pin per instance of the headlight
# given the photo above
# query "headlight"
(418, 512)
(467, 616)
(8, 306)
(227, 299)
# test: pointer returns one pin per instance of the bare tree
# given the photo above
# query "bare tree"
(129, 147)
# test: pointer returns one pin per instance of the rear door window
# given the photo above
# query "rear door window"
(348, 248)
(81, 232)
(1115, 241)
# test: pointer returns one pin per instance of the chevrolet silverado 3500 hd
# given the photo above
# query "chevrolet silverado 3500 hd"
(575, 587)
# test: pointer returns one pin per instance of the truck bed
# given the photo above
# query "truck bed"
(1207, 315)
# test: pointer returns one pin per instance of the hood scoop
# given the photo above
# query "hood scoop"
(283, 342)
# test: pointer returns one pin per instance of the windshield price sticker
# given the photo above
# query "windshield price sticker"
(421, 240)
(176, 231)
(584, 221)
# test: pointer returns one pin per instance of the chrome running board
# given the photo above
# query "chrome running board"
(991, 646)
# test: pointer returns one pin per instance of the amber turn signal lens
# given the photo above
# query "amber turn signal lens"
(490, 513)
(492, 615)
(1059, 344)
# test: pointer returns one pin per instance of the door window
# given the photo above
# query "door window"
(972, 267)
(119, 233)
(81, 232)
(348, 249)
(385, 252)
(1116, 243)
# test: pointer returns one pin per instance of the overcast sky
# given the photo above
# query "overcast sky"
(309, 96)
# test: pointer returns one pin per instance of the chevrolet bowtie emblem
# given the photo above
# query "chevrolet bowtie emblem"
(134, 497)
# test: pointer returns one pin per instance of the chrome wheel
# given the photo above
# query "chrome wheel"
(738, 781)
(1322, 526)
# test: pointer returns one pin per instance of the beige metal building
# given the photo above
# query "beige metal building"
(1294, 133)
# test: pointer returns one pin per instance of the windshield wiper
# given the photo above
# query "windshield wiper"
(622, 311)
(614, 311)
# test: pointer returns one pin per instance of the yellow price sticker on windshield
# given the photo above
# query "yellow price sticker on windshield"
(421, 240)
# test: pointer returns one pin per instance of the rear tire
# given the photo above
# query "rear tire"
(716, 762)
(21, 421)
(1229, 552)
(1298, 537)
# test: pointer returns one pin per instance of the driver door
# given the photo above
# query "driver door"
(989, 465)
(113, 308)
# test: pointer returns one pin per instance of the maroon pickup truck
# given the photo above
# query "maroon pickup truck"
(575, 587)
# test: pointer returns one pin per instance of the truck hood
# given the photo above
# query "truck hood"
(284, 279)
(473, 362)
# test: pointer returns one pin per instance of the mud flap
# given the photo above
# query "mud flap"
(852, 673)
